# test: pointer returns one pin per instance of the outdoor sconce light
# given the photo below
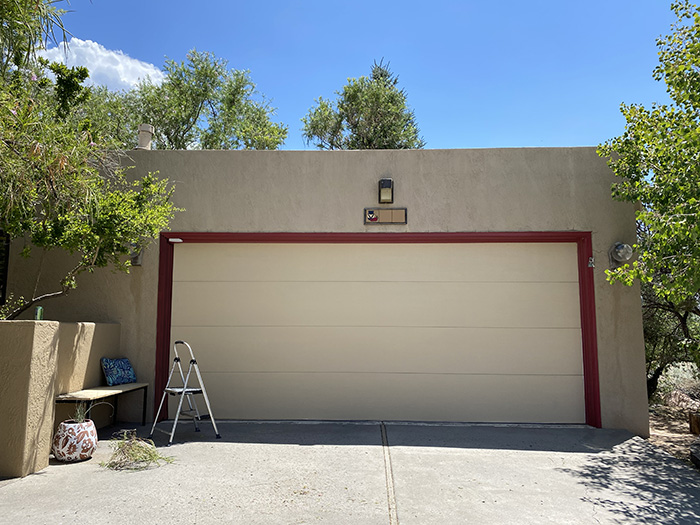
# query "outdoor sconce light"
(386, 191)
(136, 255)
(620, 253)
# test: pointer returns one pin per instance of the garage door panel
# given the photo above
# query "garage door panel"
(540, 262)
(385, 349)
(376, 304)
(437, 332)
(398, 397)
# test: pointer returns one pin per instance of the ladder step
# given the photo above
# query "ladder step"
(193, 414)
(178, 391)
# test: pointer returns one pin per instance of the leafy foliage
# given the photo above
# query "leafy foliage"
(26, 25)
(109, 114)
(370, 113)
(671, 335)
(657, 163)
(61, 185)
(68, 88)
(200, 104)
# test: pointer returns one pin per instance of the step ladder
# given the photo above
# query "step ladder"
(185, 391)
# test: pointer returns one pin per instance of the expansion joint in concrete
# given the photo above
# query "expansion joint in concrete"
(389, 475)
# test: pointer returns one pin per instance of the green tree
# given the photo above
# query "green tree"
(671, 333)
(200, 104)
(61, 186)
(656, 161)
(110, 114)
(25, 26)
(369, 113)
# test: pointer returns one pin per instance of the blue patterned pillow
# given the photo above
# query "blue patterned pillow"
(118, 371)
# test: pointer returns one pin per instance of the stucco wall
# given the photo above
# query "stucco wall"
(538, 189)
(80, 347)
(28, 355)
(39, 359)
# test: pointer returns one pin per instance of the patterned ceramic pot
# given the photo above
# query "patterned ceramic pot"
(74, 441)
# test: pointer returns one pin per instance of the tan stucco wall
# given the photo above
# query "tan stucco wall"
(537, 189)
(28, 356)
(39, 359)
(80, 347)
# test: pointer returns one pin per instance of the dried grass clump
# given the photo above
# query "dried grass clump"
(133, 453)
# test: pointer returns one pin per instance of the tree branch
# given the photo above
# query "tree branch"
(26, 306)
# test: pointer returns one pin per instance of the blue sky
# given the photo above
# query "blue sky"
(477, 74)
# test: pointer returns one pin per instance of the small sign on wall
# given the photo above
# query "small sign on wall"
(386, 216)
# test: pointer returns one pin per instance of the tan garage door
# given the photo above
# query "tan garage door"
(434, 332)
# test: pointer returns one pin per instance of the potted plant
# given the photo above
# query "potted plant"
(75, 439)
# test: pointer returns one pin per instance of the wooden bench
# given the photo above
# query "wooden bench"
(90, 395)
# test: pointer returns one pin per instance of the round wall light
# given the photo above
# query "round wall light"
(621, 252)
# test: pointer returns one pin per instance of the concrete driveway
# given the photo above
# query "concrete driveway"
(366, 473)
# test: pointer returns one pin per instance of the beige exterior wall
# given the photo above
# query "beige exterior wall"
(489, 190)
(39, 359)
(80, 347)
(28, 356)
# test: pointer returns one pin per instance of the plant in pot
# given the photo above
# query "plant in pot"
(75, 439)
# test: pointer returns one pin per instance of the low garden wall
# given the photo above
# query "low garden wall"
(38, 360)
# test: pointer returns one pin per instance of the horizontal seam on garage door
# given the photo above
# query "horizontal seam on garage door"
(376, 326)
(387, 373)
(334, 281)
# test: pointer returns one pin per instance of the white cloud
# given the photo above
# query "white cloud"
(113, 69)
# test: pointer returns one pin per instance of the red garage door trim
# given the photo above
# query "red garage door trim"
(585, 274)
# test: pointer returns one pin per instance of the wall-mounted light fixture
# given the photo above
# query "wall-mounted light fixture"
(386, 191)
(136, 255)
(620, 253)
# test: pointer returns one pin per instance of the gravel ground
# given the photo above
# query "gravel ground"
(670, 430)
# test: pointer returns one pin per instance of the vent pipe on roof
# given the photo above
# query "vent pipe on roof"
(145, 136)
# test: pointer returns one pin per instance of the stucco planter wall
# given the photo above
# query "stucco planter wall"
(28, 357)
(39, 359)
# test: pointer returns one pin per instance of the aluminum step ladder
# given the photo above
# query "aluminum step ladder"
(185, 391)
